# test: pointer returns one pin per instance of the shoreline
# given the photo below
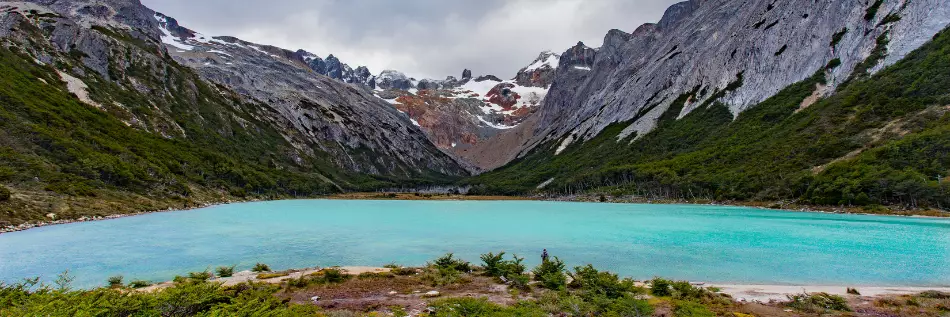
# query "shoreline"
(459, 197)
(763, 293)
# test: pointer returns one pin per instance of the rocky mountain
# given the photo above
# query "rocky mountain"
(541, 72)
(109, 107)
(813, 102)
(458, 114)
(755, 50)
(310, 94)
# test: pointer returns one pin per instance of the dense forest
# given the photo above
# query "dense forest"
(880, 140)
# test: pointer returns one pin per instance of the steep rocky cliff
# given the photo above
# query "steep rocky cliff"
(735, 52)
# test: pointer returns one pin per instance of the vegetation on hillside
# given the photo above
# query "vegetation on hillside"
(156, 137)
(879, 140)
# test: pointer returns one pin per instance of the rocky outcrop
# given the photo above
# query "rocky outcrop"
(391, 79)
(486, 78)
(539, 73)
(736, 53)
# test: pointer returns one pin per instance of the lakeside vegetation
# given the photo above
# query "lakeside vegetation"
(447, 286)
(879, 142)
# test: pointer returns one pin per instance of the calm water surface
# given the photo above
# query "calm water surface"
(700, 243)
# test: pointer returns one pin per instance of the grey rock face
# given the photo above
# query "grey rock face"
(466, 75)
(391, 79)
(539, 73)
(707, 43)
(487, 77)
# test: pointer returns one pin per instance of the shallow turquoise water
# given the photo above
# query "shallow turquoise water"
(700, 243)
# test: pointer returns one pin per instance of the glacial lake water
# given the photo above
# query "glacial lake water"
(698, 243)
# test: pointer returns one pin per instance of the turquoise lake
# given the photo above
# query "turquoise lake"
(698, 243)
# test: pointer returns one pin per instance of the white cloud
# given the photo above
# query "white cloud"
(424, 38)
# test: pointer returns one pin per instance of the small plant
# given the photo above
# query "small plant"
(440, 276)
(4, 194)
(139, 284)
(853, 291)
(392, 265)
(449, 261)
(116, 281)
(225, 271)
(403, 271)
(661, 287)
(200, 276)
(818, 302)
(267, 276)
(551, 274)
(935, 295)
(691, 309)
(333, 275)
(260, 267)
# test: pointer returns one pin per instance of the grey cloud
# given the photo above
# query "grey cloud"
(424, 38)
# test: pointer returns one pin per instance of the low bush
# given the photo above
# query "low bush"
(661, 287)
(374, 275)
(440, 276)
(402, 271)
(551, 274)
(4, 194)
(853, 291)
(260, 267)
(497, 266)
(267, 276)
(225, 271)
(200, 276)
(139, 284)
(818, 303)
(596, 283)
(116, 281)
(691, 309)
(332, 275)
(449, 261)
(935, 295)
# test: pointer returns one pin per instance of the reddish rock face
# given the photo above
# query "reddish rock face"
(502, 96)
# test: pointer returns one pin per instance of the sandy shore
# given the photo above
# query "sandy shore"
(248, 276)
(766, 293)
(740, 292)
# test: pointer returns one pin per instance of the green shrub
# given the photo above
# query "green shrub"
(817, 303)
(4, 194)
(935, 295)
(332, 275)
(661, 287)
(225, 271)
(200, 276)
(449, 261)
(596, 283)
(116, 281)
(496, 266)
(139, 284)
(691, 309)
(260, 267)
(836, 38)
(440, 276)
(402, 271)
(551, 274)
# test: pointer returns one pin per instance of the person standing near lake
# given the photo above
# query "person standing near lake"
(544, 255)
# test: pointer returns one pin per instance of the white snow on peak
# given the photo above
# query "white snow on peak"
(582, 68)
(546, 58)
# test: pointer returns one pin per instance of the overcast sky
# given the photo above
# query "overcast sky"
(423, 38)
